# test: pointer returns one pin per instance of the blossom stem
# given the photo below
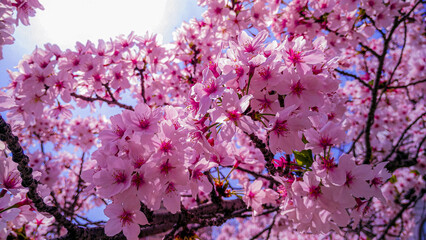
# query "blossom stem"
(233, 168)
(8, 208)
(218, 173)
(251, 73)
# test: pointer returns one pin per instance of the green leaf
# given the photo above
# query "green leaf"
(415, 172)
(393, 179)
(304, 139)
(304, 157)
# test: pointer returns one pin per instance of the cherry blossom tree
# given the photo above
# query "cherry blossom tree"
(262, 120)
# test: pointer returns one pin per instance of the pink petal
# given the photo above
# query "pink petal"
(112, 227)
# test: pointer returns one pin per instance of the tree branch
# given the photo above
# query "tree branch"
(28, 181)
(112, 102)
(402, 136)
(399, 214)
(258, 175)
(355, 77)
(405, 86)
(267, 154)
(162, 222)
(141, 71)
(269, 228)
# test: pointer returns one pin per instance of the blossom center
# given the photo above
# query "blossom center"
(170, 188)
(249, 47)
(120, 176)
(315, 192)
(138, 180)
(251, 195)
(265, 74)
(280, 128)
(210, 87)
(11, 181)
(349, 179)
(166, 167)
(294, 57)
(329, 163)
(297, 88)
(233, 115)
(126, 217)
(264, 103)
(376, 181)
(139, 162)
(166, 146)
(119, 132)
(144, 123)
(325, 142)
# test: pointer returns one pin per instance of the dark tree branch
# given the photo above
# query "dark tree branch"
(398, 143)
(405, 86)
(400, 56)
(28, 181)
(268, 228)
(79, 188)
(258, 175)
(419, 147)
(355, 77)
(141, 71)
(370, 50)
(374, 102)
(355, 141)
(97, 98)
(267, 154)
(399, 214)
(208, 214)
(375, 26)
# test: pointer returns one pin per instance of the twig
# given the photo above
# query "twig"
(141, 71)
(269, 229)
(355, 141)
(405, 86)
(255, 174)
(402, 136)
(354, 76)
(97, 98)
(78, 191)
(399, 215)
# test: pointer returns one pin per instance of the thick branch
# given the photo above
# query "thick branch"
(267, 154)
(162, 222)
(374, 102)
(28, 181)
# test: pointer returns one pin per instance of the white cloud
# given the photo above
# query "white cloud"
(65, 22)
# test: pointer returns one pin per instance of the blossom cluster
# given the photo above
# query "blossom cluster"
(13, 12)
(310, 112)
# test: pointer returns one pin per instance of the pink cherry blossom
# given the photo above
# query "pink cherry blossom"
(124, 216)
